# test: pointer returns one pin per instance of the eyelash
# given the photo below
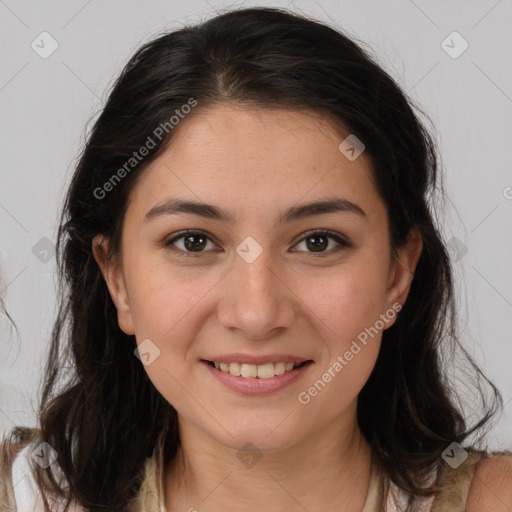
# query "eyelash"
(343, 243)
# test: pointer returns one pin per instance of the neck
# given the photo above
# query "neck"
(327, 471)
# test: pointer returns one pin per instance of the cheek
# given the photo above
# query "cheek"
(165, 308)
(347, 299)
(347, 305)
(164, 299)
(347, 310)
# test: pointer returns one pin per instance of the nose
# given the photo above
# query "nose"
(256, 300)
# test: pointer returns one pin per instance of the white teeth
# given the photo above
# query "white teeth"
(234, 369)
(279, 368)
(248, 370)
(266, 371)
(263, 371)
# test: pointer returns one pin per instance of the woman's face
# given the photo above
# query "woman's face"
(254, 287)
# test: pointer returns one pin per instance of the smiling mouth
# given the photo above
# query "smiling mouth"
(257, 371)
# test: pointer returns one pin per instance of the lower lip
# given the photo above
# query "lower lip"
(255, 385)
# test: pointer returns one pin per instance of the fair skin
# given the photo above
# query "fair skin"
(289, 300)
(491, 487)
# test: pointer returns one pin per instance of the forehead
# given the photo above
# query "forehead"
(256, 159)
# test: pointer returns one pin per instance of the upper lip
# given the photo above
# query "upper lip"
(250, 359)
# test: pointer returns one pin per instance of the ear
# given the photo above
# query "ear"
(402, 269)
(114, 278)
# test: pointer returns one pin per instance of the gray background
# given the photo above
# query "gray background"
(46, 104)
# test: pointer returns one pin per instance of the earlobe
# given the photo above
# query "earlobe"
(114, 279)
(403, 268)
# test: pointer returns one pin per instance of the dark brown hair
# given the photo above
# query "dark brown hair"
(103, 419)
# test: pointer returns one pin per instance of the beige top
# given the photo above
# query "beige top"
(19, 493)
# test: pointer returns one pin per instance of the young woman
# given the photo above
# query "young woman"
(257, 305)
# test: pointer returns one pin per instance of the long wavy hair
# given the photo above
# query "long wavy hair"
(98, 409)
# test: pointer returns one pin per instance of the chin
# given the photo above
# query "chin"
(266, 437)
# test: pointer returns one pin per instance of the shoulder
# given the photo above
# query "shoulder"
(491, 486)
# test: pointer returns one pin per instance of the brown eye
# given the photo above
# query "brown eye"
(318, 242)
(193, 242)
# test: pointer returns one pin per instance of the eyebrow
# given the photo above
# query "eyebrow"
(209, 211)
